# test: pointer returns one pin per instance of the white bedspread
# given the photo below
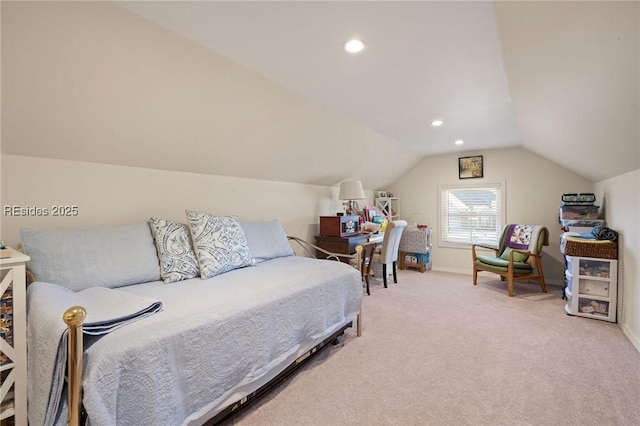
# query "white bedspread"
(107, 310)
(215, 341)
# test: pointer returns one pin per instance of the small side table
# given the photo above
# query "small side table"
(415, 244)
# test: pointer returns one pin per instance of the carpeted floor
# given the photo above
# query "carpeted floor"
(436, 350)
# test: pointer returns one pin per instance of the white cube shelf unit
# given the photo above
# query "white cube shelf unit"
(592, 287)
(390, 206)
(13, 338)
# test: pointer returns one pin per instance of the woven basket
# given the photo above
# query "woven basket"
(589, 248)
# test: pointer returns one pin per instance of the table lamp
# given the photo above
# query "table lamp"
(351, 190)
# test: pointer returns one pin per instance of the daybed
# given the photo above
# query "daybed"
(162, 345)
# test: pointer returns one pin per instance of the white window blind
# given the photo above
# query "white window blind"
(471, 213)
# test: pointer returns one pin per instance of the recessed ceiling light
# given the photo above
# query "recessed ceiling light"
(353, 46)
(459, 142)
(437, 123)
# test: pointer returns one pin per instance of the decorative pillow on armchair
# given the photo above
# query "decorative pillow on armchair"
(220, 243)
(177, 259)
(518, 257)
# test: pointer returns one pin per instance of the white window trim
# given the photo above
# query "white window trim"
(500, 185)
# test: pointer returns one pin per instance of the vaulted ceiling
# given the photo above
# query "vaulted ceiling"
(560, 79)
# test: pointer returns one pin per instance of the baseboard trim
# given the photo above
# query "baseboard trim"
(464, 271)
(452, 270)
(635, 341)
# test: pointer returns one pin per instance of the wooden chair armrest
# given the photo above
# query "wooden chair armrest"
(473, 249)
(527, 252)
(537, 257)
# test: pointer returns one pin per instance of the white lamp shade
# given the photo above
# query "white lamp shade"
(351, 190)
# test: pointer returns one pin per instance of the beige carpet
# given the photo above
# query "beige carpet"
(436, 350)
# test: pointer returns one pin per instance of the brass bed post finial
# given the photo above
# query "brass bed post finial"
(74, 317)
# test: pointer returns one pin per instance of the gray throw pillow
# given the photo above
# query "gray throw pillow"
(267, 240)
(100, 257)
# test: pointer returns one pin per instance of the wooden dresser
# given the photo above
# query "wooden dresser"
(343, 245)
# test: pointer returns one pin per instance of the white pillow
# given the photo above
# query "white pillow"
(177, 259)
(267, 240)
(219, 242)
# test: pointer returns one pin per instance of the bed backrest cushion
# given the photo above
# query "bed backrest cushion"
(100, 257)
(173, 242)
(219, 242)
(267, 240)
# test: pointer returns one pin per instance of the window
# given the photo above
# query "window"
(471, 213)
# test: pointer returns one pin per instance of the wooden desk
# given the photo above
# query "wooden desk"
(377, 238)
(342, 245)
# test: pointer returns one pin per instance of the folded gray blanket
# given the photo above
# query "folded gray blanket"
(107, 310)
(604, 233)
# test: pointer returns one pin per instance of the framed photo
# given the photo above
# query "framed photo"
(382, 194)
(470, 167)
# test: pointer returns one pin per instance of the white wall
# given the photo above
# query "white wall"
(108, 195)
(534, 187)
(92, 82)
(621, 205)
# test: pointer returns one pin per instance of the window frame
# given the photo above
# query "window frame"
(498, 185)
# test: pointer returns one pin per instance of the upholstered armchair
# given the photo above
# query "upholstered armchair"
(517, 258)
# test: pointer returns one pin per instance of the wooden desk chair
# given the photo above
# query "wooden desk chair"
(365, 255)
(388, 253)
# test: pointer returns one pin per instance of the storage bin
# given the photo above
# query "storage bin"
(593, 287)
(578, 212)
(593, 307)
(581, 247)
(579, 198)
(590, 223)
